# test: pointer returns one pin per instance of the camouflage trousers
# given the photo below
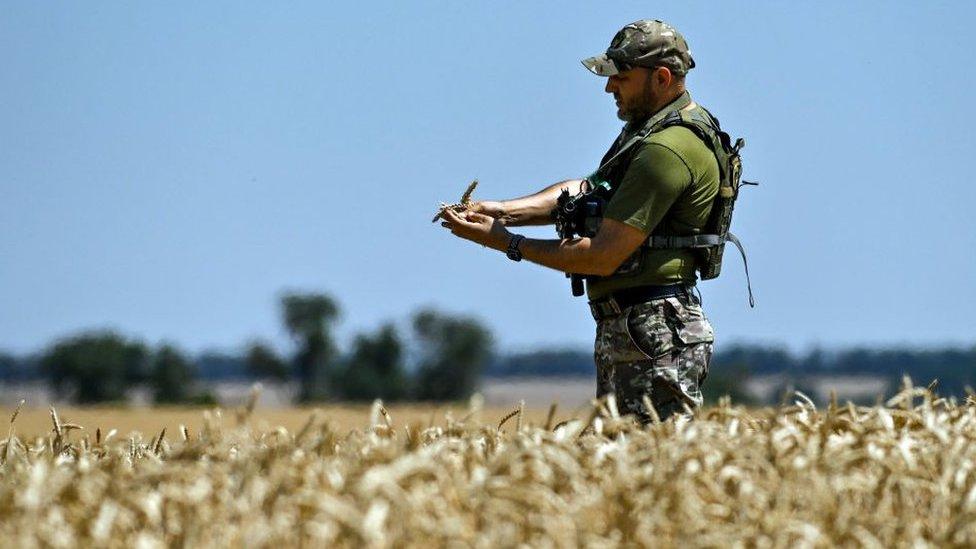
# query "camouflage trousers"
(659, 350)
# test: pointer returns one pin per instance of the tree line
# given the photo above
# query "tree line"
(731, 366)
(437, 357)
(448, 355)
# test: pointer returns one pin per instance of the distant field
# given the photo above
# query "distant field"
(572, 393)
(500, 398)
(33, 422)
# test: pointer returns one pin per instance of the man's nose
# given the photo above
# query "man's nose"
(609, 88)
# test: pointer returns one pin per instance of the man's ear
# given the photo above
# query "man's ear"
(662, 77)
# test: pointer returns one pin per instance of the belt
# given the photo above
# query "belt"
(616, 302)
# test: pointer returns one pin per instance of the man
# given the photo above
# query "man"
(662, 177)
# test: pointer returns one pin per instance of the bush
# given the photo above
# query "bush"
(264, 363)
(173, 376)
(374, 369)
(94, 367)
(454, 352)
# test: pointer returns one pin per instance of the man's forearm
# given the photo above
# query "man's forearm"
(570, 255)
(600, 255)
(535, 209)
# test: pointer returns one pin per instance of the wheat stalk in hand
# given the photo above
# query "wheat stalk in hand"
(461, 206)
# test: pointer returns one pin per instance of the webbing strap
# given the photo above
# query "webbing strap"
(735, 240)
(703, 241)
(695, 241)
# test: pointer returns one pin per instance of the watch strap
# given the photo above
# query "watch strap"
(513, 251)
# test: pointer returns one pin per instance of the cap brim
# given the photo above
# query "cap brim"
(600, 65)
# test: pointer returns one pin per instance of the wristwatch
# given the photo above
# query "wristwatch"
(513, 252)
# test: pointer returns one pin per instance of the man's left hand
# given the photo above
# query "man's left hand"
(478, 228)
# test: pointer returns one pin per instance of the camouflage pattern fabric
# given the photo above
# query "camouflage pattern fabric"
(659, 349)
(645, 43)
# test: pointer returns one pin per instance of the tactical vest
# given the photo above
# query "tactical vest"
(710, 245)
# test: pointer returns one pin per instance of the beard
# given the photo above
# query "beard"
(639, 107)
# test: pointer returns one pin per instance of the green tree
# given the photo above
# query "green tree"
(263, 362)
(309, 319)
(7, 365)
(172, 376)
(374, 369)
(454, 352)
(95, 366)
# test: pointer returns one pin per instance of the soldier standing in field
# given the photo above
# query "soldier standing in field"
(647, 219)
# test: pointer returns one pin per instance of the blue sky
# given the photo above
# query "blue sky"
(169, 169)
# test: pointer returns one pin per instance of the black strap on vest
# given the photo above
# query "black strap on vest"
(735, 240)
(695, 241)
(660, 242)
(671, 116)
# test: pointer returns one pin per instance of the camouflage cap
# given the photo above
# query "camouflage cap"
(645, 43)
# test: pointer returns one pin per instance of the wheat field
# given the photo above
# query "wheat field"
(902, 474)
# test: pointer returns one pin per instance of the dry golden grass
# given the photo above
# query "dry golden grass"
(33, 422)
(899, 475)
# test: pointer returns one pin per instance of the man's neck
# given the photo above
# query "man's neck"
(670, 98)
(663, 105)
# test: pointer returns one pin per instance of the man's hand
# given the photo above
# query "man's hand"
(477, 227)
(491, 208)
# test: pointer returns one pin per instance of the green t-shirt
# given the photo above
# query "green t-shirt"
(669, 189)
